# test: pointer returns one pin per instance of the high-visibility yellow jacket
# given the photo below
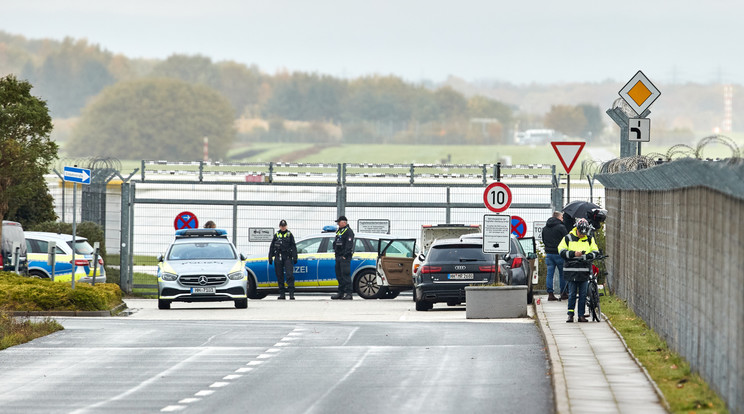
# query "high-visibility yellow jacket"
(577, 269)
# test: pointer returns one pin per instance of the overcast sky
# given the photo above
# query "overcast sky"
(518, 41)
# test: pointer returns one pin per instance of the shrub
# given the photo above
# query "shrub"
(29, 294)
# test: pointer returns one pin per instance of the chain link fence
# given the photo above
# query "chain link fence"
(675, 236)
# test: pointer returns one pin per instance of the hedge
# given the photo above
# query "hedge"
(19, 293)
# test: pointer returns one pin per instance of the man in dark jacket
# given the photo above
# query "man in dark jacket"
(283, 252)
(552, 234)
(343, 247)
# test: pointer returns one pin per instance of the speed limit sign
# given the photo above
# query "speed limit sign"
(497, 197)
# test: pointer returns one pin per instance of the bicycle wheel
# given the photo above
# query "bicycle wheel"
(594, 302)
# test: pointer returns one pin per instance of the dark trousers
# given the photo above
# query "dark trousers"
(343, 275)
(572, 288)
(284, 265)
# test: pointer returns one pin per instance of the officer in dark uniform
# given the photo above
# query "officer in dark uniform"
(283, 252)
(343, 247)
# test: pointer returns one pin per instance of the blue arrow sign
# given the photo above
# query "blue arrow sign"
(76, 175)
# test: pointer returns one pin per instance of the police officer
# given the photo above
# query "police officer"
(283, 252)
(343, 247)
(575, 247)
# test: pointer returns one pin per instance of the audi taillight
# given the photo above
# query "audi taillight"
(431, 269)
(489, 269)
(517, 262)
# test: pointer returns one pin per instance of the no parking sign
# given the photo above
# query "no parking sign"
(518, 226)
(186, 220)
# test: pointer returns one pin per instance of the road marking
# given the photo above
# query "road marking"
(172, 408)
(353, 331)
(282, 344)
(255, 363)
(231, 377)
(273, 350)
(204, 393)
(189, 400)
(219, 384)
(264, 356)
(246, 369)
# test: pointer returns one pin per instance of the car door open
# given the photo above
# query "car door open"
(530, 249)
(394, 262)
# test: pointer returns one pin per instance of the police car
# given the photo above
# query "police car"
(315, 270)
(201, 265)
(37, 245)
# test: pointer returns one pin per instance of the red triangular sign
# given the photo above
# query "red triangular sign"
(568, 151)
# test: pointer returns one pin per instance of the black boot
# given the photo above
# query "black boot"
(281, 296)
(338, 295)
(570, 318)
(291, 296)
(347, 297)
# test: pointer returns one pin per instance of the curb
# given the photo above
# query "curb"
(558, 378)
(111, 312)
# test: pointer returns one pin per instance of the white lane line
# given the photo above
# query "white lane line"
(255, 363)
(219, 384)
(348, 374)
(290, 338)
(264, 356)
(231, 377)
(172, 408)
(282, 344)
(141, 385)
(353, 331)
(204, 393)
(246, 369)
(189, 400)
(272, 350)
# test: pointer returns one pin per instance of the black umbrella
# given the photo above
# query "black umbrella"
(576, 210)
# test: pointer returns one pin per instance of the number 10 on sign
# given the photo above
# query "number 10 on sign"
(497, 197)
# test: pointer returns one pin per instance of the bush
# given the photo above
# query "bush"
(88, 229)
(18, 293)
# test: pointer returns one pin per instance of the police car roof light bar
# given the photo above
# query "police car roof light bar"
(201, 233)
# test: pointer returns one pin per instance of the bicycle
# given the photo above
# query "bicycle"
(592, 291)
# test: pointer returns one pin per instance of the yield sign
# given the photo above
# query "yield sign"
(568, 151)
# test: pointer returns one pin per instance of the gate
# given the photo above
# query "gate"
(309, 196)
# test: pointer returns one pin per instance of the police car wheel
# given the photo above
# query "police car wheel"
(37, 274)
(241, 304)
(366, 285)
(163, 304)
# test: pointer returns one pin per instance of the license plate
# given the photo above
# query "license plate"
(460, 276)
(203, 290)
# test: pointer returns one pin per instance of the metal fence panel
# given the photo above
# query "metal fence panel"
(677, 256)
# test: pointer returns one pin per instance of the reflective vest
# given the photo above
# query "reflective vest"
(575, 269)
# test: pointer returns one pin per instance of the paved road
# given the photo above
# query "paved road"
(131, 365)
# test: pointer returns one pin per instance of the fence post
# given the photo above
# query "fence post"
(235, 215)
(412, 171)
(341, 191)
(485, 174)
(124, 239)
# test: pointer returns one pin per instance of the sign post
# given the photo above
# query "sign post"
(496, 237)
(568, 152)
(75, 175)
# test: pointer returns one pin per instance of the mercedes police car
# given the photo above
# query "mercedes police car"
(315, 270)
(202, 265)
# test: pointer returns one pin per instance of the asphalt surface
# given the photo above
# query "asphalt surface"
(210, 358)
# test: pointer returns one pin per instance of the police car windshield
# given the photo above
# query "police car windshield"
(201, 251)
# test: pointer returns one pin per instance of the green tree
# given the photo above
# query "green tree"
(26, 152)
(567, 119)
(155, 118)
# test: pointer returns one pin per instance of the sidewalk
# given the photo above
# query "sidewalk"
(592, 370)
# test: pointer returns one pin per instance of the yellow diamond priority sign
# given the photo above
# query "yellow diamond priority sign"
(639, 93)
